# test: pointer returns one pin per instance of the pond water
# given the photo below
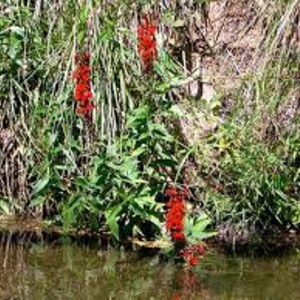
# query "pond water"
(38, 272)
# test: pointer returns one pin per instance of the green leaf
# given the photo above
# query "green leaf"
(201, 226)
(113, 166)
(206, 235)
(83, 182)
(37, 201)
(5, 207)
(18, 30)
(71, 210)
(40, 185)
(137, 152)
(155, 220)
(139, 116)
(111, 216)
(83, 14)
(195, 228)
(142, 201)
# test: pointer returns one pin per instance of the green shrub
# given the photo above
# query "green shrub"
(250, 165)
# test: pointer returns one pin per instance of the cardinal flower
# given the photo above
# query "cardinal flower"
(193, 253)
(82, 92)
(147, 46)
(175, 215)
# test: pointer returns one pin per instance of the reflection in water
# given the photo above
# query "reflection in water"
(79, 272)
(190, 286)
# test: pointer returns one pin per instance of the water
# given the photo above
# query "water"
(38, 272)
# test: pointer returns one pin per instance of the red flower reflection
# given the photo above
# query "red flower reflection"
(190, 286)
(147, 46)
(83, 93)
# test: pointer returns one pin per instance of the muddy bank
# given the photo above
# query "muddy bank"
(26, 232)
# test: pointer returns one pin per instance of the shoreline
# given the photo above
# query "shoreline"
(27, 231)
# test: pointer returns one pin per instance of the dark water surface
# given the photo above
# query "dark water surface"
(38, 272)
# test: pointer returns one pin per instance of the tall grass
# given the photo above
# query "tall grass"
(250, 165)
(56, 165)
(38, 43)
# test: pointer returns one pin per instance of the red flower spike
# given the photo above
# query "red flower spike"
(175, 215)
(147, 46)
(82, 92)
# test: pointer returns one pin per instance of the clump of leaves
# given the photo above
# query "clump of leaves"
(124, 180)
(196, 231)
(196, 228)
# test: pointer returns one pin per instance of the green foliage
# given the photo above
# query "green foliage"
(125, 178)
(81, 174)
(251, 164)
(8, 207)
(109, 171)
(195, 228)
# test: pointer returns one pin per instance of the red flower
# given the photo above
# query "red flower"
(175, 215)
(82, 92)
(147, 47)
(194, 260)
(178, 236)
(84, 110)
(191, 254)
